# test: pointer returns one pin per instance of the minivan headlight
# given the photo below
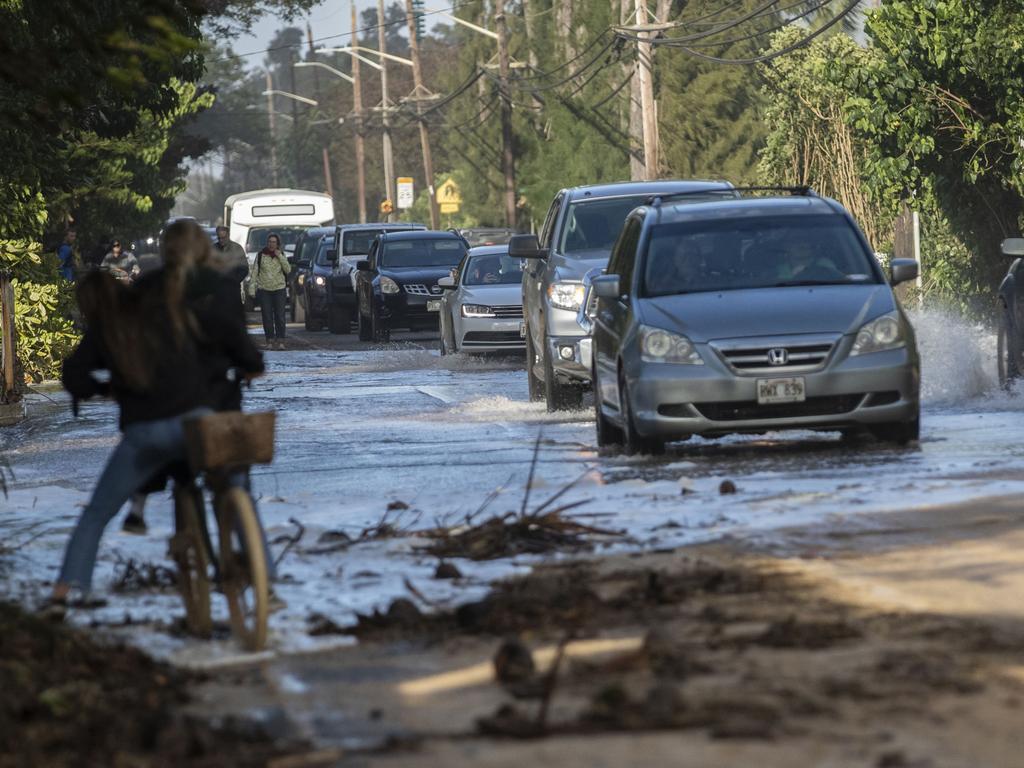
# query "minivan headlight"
(476, 310)
(660, 346)
(387, 285)
(566, 296)
(885, 332)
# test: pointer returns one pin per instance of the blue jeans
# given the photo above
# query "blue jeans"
(272, 312)
(146, 449)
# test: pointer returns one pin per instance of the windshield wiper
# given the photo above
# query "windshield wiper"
(795, 283)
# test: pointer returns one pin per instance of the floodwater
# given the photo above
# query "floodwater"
(362, 427)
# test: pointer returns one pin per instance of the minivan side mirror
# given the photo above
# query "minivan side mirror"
(363, 265)
(525, 247)
(606, 287)
(332, 255)
(447, 282)
(902, 270)
(1013, 246)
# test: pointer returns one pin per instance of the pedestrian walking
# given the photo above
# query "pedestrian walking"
(68, 256)
(267, 285)
(157, 352)
(120, 263)
(229, 257)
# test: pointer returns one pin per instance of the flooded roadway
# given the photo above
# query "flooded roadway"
(362, 427)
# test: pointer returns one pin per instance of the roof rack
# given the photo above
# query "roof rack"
(796, 191)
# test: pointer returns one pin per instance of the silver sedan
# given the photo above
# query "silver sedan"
(482, 310)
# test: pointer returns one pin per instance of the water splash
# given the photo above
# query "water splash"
(958, 356)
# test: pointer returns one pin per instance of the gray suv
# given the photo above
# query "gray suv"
(750, 315)
(576, 239)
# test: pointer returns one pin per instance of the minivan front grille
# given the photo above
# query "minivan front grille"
(833, 405)
(777, 357)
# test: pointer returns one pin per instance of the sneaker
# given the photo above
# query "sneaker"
(280, 345)
(134, 523)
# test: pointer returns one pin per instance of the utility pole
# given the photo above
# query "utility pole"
(295, 118)
(645, 70)
(328, 178)
(508, 162)
(385, 103)
(357, 103)
(273, 134)
(419, 92)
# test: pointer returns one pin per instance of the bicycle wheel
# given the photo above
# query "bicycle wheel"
(243, 567)
(190, 550)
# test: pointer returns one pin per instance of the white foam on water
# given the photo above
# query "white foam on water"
(958, 356)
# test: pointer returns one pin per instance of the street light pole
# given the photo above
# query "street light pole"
(357, 103)
(508, 162)
(389, 162)
(269, 93)
(420, 92)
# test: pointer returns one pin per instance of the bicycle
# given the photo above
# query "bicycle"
(221, 447)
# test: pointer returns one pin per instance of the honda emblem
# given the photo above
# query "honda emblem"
(778, 356)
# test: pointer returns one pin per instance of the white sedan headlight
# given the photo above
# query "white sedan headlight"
(387, 285)
(566, 296)
(885, 332)
(660, 346)
(476, 310)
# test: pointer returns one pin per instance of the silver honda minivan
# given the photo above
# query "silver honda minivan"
(750, 315)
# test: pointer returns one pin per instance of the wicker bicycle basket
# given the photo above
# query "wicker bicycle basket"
(230, 439)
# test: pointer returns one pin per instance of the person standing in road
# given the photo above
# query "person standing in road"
(229, 257)
(267, 283)
(68, 257)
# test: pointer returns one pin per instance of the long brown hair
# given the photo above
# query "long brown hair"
(185, 247)
(113, 311)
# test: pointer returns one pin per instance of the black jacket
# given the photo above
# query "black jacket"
(183, 378)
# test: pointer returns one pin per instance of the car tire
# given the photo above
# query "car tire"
(365, 331)
(1007, 351)
(535, 384)
(632, 441)
(559, 397)
(338, 320)
(379, 329)
(608, 435)
(898, 432)
(313, 323)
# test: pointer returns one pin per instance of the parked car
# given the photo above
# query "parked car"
(313, 289)
(306, 247)
(355, 241)
(481, 308)
(750, 315)
(477, 236)
(577, 236)
(1010, 315)
(399, 276)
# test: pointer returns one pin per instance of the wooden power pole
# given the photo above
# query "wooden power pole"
(273, 133)
(645, 71)
(357, 103)
(385, 104)
(508, 161)
(419, 94)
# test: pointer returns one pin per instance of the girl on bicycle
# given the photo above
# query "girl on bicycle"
(159, 356)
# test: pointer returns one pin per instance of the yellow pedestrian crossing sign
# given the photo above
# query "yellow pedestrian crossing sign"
(449, 198)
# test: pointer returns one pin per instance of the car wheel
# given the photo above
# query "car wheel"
(608, 434)
(633, 442)
(379, 329)
(536, 385)
(1007, 358)
(338, 321)
(559, 397)
(313, 324)
(365, 331)
(898, 432)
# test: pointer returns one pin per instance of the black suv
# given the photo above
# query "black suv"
(351, 244)
(301, 259)
(399, 277)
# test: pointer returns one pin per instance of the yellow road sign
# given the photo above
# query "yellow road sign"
(449, 197)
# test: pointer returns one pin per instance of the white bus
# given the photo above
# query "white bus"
(252, 216)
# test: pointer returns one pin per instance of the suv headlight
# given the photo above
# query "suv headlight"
(387, 285)
(660, 346)
(319, 280)
(885, 332)
(476, 310)
(566, 296)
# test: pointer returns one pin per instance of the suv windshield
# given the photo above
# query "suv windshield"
(257, 239)
(493, 269)
(422, 253)
(357, 242)
(762, 252)
(326, 244)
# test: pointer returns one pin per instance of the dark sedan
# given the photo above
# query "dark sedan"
(399, 277)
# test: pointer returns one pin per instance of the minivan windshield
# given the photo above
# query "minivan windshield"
(357, 242)
(760, 252)
(493, 269)
(422, 253)
(592, 226)
(257, 239)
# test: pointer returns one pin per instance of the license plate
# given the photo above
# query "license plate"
(433, 305)
(780, 391)
(522, 330)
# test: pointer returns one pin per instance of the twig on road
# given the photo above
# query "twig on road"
(289, 541)
(533, 468)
